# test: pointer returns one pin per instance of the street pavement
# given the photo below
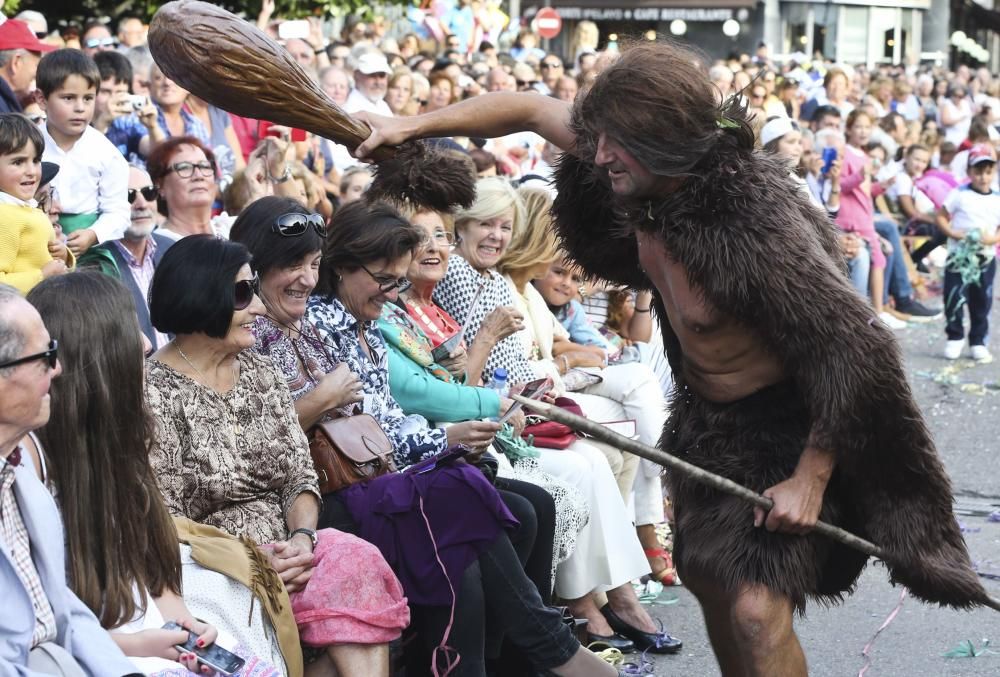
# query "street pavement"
(961, 403)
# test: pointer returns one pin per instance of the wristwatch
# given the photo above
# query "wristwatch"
(311, 533)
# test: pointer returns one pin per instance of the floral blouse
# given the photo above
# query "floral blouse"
(235, 460)
(412, 437)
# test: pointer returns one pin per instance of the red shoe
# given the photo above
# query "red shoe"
(667, 575)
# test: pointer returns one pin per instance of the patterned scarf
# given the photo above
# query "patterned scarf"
(401, 332)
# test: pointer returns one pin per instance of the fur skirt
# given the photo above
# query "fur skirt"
(755, 442)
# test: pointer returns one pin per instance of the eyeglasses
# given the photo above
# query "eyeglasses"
(294, 224)
(244, 291)
(46, 199)
(38, 119)
(185, 170)
(387, 285)
(51, 357)
(525, 83)
(149, 193)
(549, 64)
(92, 43)
(441, 238)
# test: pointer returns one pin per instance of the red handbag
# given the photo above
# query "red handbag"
(551, 434)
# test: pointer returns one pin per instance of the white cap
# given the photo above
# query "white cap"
(775, 129)
(373, 62)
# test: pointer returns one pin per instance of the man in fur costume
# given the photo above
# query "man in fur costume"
(786, 382)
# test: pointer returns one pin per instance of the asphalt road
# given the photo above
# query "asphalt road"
(961, 402)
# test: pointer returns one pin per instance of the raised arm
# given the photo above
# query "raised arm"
(489, 115)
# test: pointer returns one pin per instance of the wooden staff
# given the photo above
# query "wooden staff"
(604, 434)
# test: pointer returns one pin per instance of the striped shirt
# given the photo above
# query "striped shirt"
(15, 535)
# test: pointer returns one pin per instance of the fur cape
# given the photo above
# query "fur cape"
(760, 253)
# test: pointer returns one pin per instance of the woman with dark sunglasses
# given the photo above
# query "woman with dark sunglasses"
(230, 453)
(331, 354)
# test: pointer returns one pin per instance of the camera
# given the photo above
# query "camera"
(137, 101)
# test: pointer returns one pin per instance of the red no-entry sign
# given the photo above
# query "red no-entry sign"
(548, 23)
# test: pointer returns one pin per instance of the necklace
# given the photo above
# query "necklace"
(235, 428)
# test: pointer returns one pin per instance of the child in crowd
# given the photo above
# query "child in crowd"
(93, 177)
(132, 129)
(970, 217)
(29, 248)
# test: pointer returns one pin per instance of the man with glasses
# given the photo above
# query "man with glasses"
(139, 251)
(552, 69)
(20, 52)
(97, 38)
(44, 628)
(371, 82)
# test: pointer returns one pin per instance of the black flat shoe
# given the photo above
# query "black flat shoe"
(654, 642)
(615, 641)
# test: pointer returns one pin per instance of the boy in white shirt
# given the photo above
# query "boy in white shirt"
(93, 175)
(970, 217)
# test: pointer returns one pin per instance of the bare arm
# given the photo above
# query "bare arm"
(640, 327)
(489, 115)
(944, 224)
(909, 208)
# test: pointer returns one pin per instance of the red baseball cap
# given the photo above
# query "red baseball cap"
(15, 34)
(981, 153)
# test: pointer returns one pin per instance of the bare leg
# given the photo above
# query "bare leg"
(764, 635)
(716, 608)
(360, 660)
(876, 280)
(624, 602)
(584, 664)
(649, 541)
(586, 607)
(321, 667)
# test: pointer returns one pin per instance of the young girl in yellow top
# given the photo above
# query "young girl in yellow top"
(26, 257)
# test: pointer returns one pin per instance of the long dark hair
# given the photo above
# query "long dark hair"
(118, 531)
(657, 101)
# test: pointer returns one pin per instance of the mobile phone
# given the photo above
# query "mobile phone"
(829, 155)
(214, 656)
(264, 130)
(447, 347)
(532, 390)
(289, 30)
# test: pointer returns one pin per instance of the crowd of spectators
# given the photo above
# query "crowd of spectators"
(268, 295)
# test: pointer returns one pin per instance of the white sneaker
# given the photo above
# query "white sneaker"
(891, 322)
(953, 349)
(980, 354)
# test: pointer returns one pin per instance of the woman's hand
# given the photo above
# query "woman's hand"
(53, 268)
(161, 643)
(500, 323)
(473, 434)
(518, 420)
(293, 564)
(583, 358)
(58, 250)
(341, 387)
(455, 363)
(834, 174)
(850, 244)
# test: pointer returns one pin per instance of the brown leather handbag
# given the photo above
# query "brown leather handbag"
(349, 449)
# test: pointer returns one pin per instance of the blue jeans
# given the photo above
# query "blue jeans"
(978, 299)
(859, 268)
(897, 279)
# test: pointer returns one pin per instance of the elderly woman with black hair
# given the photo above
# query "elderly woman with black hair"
(229, 453)
(364, 260)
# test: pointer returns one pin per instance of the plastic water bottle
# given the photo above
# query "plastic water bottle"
(498, 384)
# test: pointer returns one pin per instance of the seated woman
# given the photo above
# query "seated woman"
(229, 453)
(100, 473)
(359, 269)
(472, 288)
(442, 390)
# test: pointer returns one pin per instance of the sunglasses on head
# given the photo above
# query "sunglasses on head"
(244, 291)
(294, 224)
(149, 193)
(51, 357)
